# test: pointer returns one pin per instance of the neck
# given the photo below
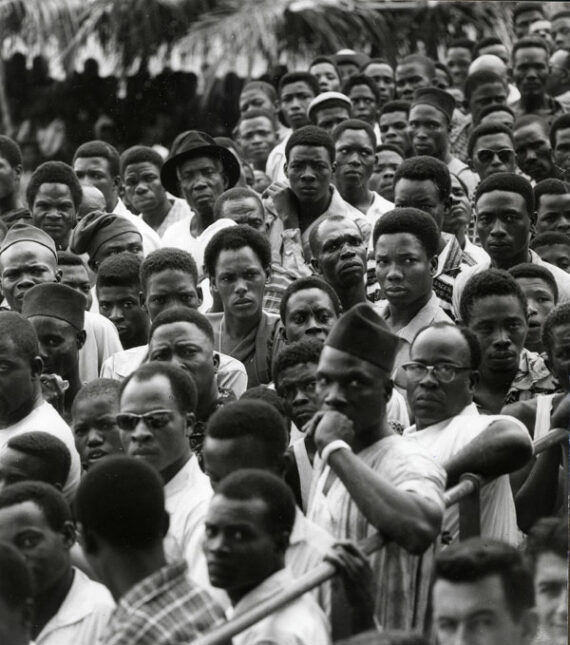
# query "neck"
(401, 315)
(63, 243)
(125, 569)
(497, 381)
(48, 603)
(10, 202)
(352, 295)
(22, 412)
(533, 102)
(201, 221)
(356, 195)
(174, 468)
(206, 401)
(461, 238)
(113, 204)
(235, 595)
(156, 216)
(139, 338)
(507, 263)
(309, 211)
(240, 327)
(445, 155)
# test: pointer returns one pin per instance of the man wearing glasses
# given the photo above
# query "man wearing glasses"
(491, 149)
(441, 378)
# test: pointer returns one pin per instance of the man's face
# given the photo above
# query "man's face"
(557, 254)
(353, 387)
(329, 117)
(46, 551)
(551, 592)
(403, 269)
(364, 104)
(428, 130)
(558, 77)
(383, 76)
(59, 345)
(354, 157)
(254, 99)
(561, 33)
(170, 288)
(458, 61)
(9, 178)
(342, 254)
(53, 211)
(409, 78)
(431, 400)
(422, 194)
(95, 429)
(257, 137)
(524, 20)
(540, 303)
(309, 170)
(553, 214)
(530, 71)
(240, 548)
(559, 355)
(16, 466)
(382, 180)
(503, 224)
(562, 150)
(240, 281)
(246, 211)
(122, 306)
(77, 278)
(185, 345)
(476, 613)
(202, 181)
(294, 100)
(327, 77)
(160, 447)
(142, 186)
(124, 243)
(458, 215)
(298, 386)
(310, 314)
(95, 171)
(394, 130)
(484, 95)
(18, 379)
(500, 324)
(493, 153)
(534, 154)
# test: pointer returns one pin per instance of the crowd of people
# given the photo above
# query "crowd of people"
(225, 363)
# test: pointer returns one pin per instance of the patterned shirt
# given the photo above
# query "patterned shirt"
(163, 609)
(533, 378)
(452, 261)
(199, 431)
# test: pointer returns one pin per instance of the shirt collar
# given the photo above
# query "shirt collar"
(186, 477)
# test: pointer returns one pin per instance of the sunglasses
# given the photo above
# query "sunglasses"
(485, 155)
(155, 420)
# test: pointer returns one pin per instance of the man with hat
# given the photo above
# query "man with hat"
(349, 62)
(429, 125)
(373, 479)
(329, 109)
(57, 314)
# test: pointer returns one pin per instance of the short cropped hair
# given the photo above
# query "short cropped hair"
(523, 7)
(120, 270)
(427, 63)
(560, 123)
(106, 388)
(251, 418)
(249, 484)
(492, 282)
(527, 42)
(54, 172)
(488, 41)
(548, 535)
(16, 586)
(267, 395)
(560, 315)
(49, 449)
(310, 135)
(299, 77)
(181, 383)
(482, 77)
(529, 270)
(234, 194)
(140, 154)
(549, 238)
(255, 113)
(167, 259)
(10, 151)
(301, 351)
(508, 182)
(354, 124)
(549, 186)
(390, 147)
(486, 129)
(308, 282)
(409, 220)
(489, 109)
(361, 79)
(314, 234)
(470, 339)
(477, 558)
(234, 238)
(121, 500)
(423, 168)
(396, 106)
(47, 498)
(97, 148)
(266, 88)
(19, 331)
(69, 259)
(183, 314)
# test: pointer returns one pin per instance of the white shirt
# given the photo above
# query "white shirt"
(274, 166)
(300, 622)
(445, 439)
(82, 617)
(476, 252)
(150, 239)
(45, 418)
(379, 206)
(101, 342)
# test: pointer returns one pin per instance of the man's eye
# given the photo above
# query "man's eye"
(299, 319)
(158, 300)
(80, 431)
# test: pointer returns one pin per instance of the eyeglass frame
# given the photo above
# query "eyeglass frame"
(431, 369)
(143, 417)
(495, 153)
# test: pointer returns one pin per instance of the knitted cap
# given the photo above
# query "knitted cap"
(96, 228)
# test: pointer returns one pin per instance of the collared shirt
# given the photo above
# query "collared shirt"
(162, 609)
(300, 622)
(82, 616)
(187, 497)
(532, 378)
(150, 239)
(445, 439)
(452, 262)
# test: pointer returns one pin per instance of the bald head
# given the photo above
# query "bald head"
(92, 200)
(489, 63)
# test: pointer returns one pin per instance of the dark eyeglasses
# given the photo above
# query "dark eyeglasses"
(155, 419)
(443, 372)
(485, 155)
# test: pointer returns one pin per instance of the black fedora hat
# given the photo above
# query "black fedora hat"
(194, 143)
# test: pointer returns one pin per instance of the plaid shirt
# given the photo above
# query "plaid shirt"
(279, 281)
(163, 609)
(533, 378)
(454, 261)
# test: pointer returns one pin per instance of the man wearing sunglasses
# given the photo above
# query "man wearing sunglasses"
(441, 378)
(491, 149)
(157, 414)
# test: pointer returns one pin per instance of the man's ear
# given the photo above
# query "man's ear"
(388, 389)
(333, 166)
(142, 300)
(474, 378)
(200, 295)
(18, 170)
(69, 534)
(190, 421)
(433, 262)
(216, 361)
(286, 170)
(213, 285)
(315, 265)
(80, 338)
(58, 275)
(37, 366)
(117, 182)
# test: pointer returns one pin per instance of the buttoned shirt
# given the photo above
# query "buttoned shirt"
(164, 608)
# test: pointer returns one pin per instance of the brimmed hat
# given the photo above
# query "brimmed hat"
(194, 143)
